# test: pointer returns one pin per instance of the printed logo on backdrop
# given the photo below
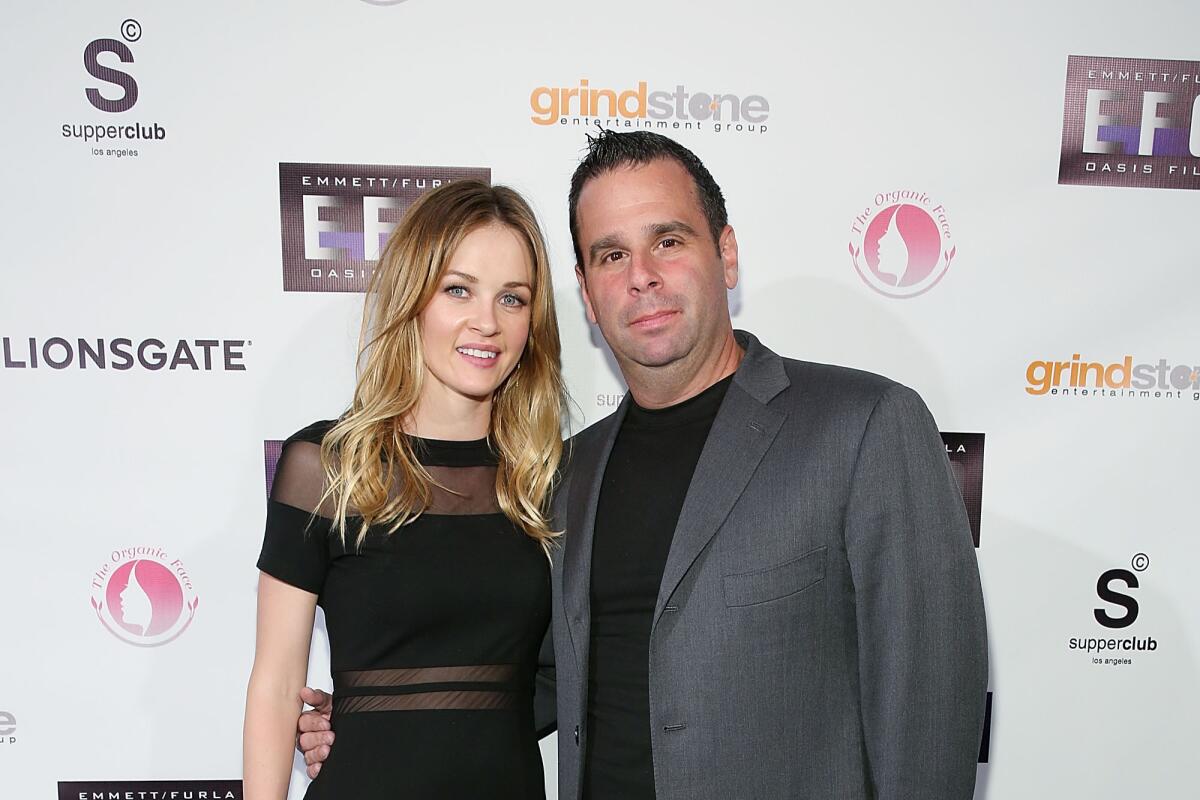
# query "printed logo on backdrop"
(336, 218)
(111, 88)
(965, 451)
(1127, 379)
(1111, 642)
(1131, 122)
(902, 244)
(272, 450)
(143, 596)
(147, 790)
(8, 728)
(124, 353)
(659, 109)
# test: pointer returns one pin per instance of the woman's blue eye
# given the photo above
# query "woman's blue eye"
(456, 291)
(512, 300)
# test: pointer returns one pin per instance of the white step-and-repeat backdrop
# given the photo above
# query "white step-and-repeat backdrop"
(989, 203)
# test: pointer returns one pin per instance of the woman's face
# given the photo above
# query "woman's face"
(474, 329)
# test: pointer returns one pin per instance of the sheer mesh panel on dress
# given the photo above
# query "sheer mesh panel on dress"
(300, 483)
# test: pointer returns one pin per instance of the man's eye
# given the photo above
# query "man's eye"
(614, 256)
(669, 243)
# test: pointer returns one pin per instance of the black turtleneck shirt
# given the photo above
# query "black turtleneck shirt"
(641, 495)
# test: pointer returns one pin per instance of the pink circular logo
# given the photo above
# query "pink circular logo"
(142, 597)
(901, 246)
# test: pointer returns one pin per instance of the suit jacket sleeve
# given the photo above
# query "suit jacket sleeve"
(922, 643)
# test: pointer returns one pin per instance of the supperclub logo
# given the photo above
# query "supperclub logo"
(336, 218)
(965, 451)
(901, 244)
(1126, 379)
(149, 790)
(113, 89)
(143, 596)
(658, 110)
(1131, 122)
(8, 728)
(1112, 644)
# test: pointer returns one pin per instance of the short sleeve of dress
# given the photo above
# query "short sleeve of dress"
(296, 541)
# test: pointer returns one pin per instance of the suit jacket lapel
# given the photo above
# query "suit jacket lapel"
(583, 495)
(740, 436)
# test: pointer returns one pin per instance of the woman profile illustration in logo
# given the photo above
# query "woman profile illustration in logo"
(136, 608)
(891, 253)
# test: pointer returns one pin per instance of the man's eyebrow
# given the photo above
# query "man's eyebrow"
(674, 226)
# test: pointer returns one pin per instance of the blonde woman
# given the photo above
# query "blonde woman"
(418, 521)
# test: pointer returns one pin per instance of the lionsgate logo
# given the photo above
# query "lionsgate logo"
(124, 353)
(965, 451)
(113, 90)
(143, 596)
(1124, 380)
(1131, 122)
(149, 790)
(336, 218)
(8, 728)
(660, 110)
(1113, 645)
(902, 244)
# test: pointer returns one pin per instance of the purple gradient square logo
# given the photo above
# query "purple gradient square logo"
(272, 449)
(965, 451)
(336, 218)
(1131, 122)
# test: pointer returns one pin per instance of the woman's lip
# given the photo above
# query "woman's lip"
(479, 362)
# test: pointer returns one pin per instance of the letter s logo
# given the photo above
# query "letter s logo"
(124, 80)
(1108, 595)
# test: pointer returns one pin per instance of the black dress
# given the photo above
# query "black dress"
(434, 631)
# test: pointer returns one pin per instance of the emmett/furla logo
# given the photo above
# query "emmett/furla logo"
(1119, 609)
(113, 89)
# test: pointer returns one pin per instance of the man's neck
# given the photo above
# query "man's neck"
(660, 387)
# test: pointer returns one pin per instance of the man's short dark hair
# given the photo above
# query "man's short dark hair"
(611, 150)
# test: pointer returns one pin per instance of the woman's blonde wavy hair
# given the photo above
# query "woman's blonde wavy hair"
(366, 453)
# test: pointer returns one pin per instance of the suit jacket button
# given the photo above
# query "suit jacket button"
(576, 734)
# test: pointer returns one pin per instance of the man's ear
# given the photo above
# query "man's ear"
(587, 301)
(727, 247)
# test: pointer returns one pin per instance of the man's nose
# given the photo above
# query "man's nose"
(643, 274)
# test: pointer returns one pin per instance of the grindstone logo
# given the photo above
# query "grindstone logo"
(149, 790)
(902, 244)
(640, 107)
(1111, 645)
(8, 728)
(123, 354)
(1131, 122)
(336, 218)
(112, 89)
(143, 596)
(1120, 379)
(965, 451)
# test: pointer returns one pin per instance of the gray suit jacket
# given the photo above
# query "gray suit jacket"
(819, 630)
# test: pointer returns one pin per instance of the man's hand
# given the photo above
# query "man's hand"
(314, 733)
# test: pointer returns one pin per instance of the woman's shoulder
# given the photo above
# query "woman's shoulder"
(313, 433)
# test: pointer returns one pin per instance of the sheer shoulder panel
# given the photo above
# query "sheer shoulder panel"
(299, 478)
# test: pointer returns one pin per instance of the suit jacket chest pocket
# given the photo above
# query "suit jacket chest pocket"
(777, 582)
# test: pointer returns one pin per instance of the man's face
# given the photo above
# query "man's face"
(652, 277)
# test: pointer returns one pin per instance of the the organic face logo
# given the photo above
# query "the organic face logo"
(901, 246)
(142, 598)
